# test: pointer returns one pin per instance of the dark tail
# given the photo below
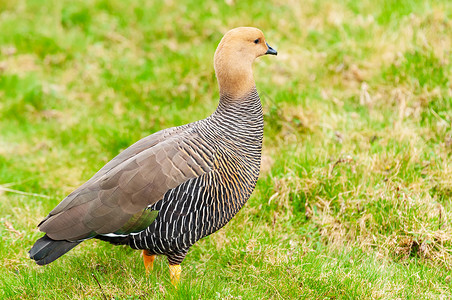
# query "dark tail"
(46, 250)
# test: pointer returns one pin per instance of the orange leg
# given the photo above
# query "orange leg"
(148, 260)
(175, 271)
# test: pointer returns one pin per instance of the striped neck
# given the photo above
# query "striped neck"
(239, 121)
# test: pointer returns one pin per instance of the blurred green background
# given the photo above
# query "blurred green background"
(354, 199)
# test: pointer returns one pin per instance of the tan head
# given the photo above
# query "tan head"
(234, 57)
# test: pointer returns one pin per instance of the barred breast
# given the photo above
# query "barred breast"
(230, 141)
(178, 185)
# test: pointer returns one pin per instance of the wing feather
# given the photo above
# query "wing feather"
(133, 180)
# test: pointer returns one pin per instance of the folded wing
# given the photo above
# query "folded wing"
(127, 185)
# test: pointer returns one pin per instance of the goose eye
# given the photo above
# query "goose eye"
(256, 41)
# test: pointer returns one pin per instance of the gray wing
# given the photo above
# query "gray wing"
(124, 187)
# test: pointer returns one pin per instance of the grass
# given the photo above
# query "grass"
(354, 199)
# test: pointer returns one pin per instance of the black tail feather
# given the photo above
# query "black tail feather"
(46, 250)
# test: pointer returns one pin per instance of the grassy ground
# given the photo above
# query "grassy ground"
(354, 200)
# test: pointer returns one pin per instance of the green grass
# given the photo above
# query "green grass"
(354, 199)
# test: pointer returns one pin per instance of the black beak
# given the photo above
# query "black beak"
(270, 50)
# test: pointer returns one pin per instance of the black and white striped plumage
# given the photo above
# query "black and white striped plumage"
(196, 176)
(202, 205)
